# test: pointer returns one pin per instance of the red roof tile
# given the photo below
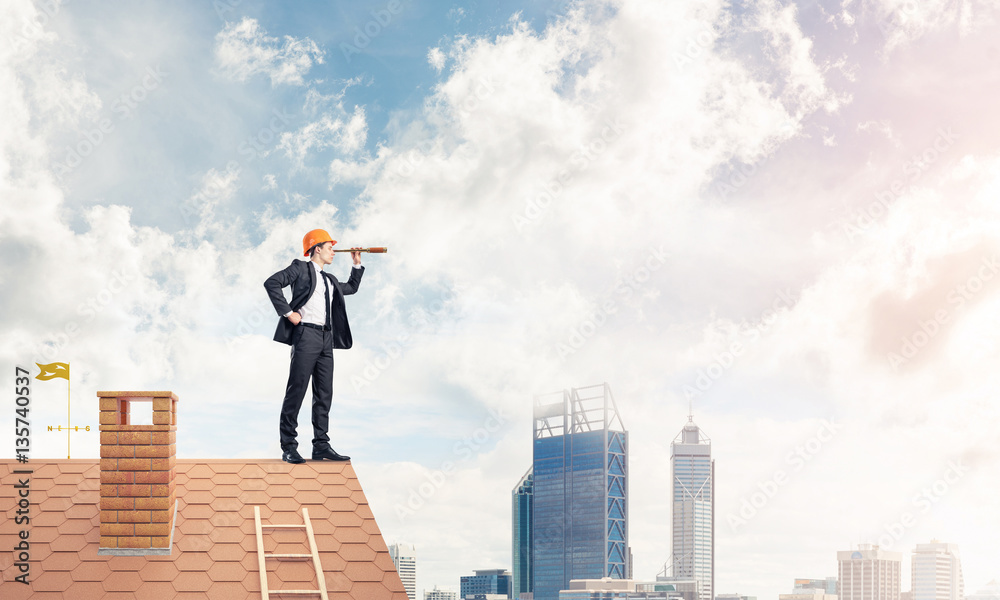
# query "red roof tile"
(193, 561)
(62, 561)
(227, 590)
(155, 589)
(350, 534)
(227, 478)
(227, 571)
(192, 581)
(194, 484)
(160, 570)
(363, 571)
(122, 581)
(225, 535)
(215, 546)
(222, 553)
(75, 526)
(92, 571)
(226, 491)
(51, 581)
(223, 518)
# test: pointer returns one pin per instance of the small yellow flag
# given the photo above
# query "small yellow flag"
(53, 370)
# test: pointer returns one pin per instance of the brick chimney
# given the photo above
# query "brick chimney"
(138, 501)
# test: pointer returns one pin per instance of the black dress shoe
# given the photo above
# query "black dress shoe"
(328, 454)
(292, 456)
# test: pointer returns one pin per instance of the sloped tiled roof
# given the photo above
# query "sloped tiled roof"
(215, 544)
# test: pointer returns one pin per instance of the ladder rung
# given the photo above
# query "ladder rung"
(314, 556)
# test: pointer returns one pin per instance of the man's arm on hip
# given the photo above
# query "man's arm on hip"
(276, 282)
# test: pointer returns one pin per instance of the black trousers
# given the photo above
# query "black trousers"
(312, 356)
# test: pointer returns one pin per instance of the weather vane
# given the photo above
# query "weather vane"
(51, 371)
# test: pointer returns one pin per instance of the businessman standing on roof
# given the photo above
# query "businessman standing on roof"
(313, 324)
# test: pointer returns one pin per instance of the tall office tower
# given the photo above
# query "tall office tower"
(580, 511)
(936, 572)
(869, 573)
(404, 556)
(693, 479)
(521, 502)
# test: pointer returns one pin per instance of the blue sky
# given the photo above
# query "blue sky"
(784, 214)
(387, 73)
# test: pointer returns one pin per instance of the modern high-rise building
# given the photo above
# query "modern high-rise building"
(521, 503)
(404, 556)
(869, 573)
(580, 490)
(488, 581)
(693, 489)
(936, 572)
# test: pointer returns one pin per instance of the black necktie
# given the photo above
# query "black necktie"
(326, 292)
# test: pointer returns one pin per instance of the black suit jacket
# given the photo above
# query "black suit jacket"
(302, 277)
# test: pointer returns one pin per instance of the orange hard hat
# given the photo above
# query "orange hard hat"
(316, 236)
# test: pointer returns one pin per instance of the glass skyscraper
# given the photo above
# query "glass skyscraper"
(693, 481)
(580, 490)
(521, 501)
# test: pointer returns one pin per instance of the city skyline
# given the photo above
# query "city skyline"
(867, 565)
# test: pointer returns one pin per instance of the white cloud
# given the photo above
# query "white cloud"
(436, 59)
(244, 49)
(806, 87)
(317, 101)
(199, 210)
(456, 14)
(346, 134)
(904, 21)
(883, 127)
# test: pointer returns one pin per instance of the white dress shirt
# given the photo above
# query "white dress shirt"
(314, 310)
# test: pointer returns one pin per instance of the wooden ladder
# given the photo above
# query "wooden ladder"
(314, 555)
